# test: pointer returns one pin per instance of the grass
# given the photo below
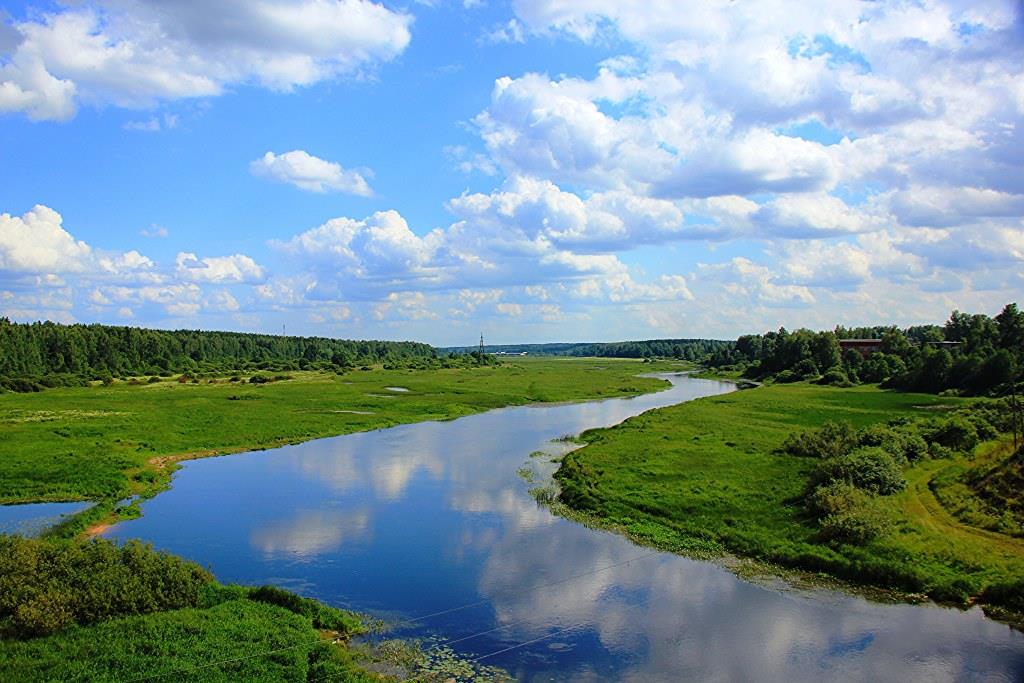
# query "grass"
(176, 645)
(105, 443)
(705, 476)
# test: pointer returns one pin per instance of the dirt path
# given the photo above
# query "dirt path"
(925, 508)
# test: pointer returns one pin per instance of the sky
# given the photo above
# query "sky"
(533, 170)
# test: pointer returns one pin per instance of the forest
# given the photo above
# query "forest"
(697, 350)
(36, 355)
(971, 354)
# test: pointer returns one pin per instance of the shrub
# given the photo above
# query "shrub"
(787, 377)
(846, 513)
(321, 615)
(1008, 594)
(871, 469)
(806, 369)
(45, 587)
(956, 433)
(833, 497)
(21, 385)
(833, 439)
(857, 525)
(835, 377)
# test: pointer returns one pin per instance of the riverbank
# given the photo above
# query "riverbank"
(107, 444)
(99, 612)
(707, 477)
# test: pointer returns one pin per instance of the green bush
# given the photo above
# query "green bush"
(836, 377)
(871, 469)
(857, 525)
(806, 369)
(833, 439)
(1007, 594)
(45, 587)
(956, 433)
(321, 615)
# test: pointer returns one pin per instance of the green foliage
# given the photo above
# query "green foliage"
(956, 433)
(870, 469)
(45, 587)
(848, 514)
(237, 640)
(836, 377)
(98, 612)
(319, 614)
(972, 354)
(697, 350)
(31, 351)
(833, 439)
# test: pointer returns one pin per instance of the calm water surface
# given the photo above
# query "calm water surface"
(425, 519)
(32, 519)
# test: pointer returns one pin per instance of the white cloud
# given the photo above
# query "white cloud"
(744, 280)
(310, 173)
(137, 52)
(38, 243)
(947, 206)
(218, 269)
(814, 215)
(537, 209)
(758, 161)
(154, 230)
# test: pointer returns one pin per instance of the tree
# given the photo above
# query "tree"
(826, 351)
(1010, 323)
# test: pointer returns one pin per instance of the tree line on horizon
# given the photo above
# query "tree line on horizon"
(697, 350)
(40, 354)
(986, 357)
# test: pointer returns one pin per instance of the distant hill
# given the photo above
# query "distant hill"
(686, 349)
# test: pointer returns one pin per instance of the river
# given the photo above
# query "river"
(432, 523)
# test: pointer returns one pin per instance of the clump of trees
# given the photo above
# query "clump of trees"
(987, 357)
(858, 467)
(39, 355)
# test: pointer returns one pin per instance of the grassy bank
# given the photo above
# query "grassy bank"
(107, 442)
(93, 611)
(707, 475)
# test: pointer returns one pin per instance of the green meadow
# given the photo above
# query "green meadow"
(708, 476)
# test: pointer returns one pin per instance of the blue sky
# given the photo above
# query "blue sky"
(538, 170)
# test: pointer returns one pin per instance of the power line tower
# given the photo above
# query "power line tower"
(480, 358)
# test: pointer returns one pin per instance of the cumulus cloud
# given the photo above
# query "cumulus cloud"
(310, 173)
(746, 280)
(539, 209)
(218, 269)
(758, 161)
(814, 215)
(37, 242)
(135, 53)
(948, 206)
(491, 245)
(915, 100)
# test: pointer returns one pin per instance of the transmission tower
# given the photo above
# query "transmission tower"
(480, 358)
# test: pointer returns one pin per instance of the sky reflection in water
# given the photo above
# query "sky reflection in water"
(422, 518)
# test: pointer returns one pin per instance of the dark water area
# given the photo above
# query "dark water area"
(430, 523)
(32, 519)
